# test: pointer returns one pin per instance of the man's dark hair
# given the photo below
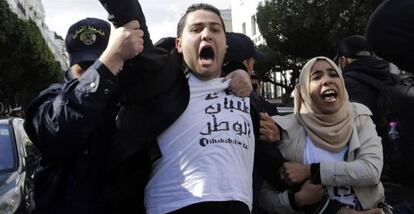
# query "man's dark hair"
(195, 7)
(354, 47)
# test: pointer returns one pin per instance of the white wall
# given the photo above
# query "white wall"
(242, 12)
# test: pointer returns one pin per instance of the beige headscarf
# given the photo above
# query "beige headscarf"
(327, 131)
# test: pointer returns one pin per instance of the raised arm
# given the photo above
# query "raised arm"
(123, 11)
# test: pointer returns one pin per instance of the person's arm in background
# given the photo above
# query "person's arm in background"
(61, 119)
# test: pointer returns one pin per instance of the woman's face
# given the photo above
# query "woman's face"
(324, 87)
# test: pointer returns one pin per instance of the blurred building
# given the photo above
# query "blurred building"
(33, 10)
(226, 15)
(244, 19)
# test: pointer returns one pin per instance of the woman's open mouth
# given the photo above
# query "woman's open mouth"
(329, 95)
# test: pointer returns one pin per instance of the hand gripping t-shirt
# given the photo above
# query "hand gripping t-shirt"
(207, 154)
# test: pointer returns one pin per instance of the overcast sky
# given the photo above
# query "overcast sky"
(162, 15)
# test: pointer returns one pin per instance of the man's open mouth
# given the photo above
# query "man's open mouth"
(207, 53)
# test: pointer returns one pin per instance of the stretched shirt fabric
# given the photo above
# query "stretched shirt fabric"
(207, 154)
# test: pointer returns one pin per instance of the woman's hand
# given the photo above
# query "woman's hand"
(295, 173)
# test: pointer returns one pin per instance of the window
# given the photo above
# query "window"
(253, 20)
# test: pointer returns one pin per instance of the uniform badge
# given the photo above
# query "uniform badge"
(88, 37)
(87, 34)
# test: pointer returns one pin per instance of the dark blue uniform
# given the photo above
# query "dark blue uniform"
(72, 125)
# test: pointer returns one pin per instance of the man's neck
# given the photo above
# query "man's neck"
(188, 70)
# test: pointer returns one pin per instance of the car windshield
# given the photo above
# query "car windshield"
(7, 150)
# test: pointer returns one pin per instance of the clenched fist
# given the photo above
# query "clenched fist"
(269, 132)
(240, 83)
(295, 173)
(124, 43)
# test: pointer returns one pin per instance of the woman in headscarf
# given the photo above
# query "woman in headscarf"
(334, 148)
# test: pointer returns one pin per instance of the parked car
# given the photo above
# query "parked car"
(18, 161)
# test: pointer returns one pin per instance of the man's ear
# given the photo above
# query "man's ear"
(349, 61)
(343, 61)
(76, 71)
(178, 45)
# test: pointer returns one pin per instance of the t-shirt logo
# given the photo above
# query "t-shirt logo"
(220, 124)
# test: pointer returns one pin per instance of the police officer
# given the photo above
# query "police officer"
(72, 123)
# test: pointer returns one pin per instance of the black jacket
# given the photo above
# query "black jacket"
(362, 93)
(72, 125)
(154, 94)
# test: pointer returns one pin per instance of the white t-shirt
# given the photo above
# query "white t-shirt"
(314, 154)
(207, 154)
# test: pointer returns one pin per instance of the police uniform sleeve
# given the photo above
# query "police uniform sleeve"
(61, 118)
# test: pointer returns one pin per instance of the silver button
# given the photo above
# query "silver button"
(93, 85)
(106, 91)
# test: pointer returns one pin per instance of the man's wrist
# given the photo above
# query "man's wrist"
(112, 62)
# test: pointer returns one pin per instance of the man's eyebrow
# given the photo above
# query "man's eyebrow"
(203, 23)
(215, 23)
(196, 24)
